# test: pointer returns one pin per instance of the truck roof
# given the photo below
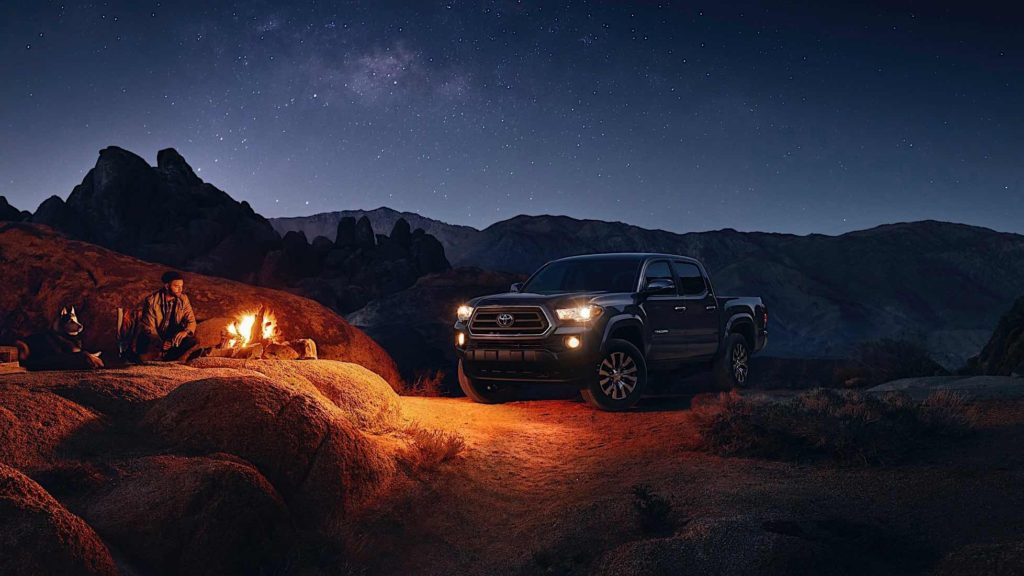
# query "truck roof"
(626, 256)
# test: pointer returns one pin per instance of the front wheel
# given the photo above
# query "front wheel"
(732, 367)
(620, 377)
(483, 391)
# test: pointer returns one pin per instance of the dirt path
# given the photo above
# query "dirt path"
(545, 486)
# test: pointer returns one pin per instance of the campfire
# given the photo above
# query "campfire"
(243, 329)
(254, 334)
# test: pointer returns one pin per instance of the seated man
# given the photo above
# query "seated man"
(168, 323)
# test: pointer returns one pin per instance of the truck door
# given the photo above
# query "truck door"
(700, 333)
(664, 317)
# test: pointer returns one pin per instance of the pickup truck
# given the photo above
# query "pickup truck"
(603, 322)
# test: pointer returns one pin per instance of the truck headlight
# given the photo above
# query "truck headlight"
(464, 312)
(580, 313)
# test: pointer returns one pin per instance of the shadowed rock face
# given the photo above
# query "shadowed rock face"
(1004, 353)
(39, 536)
(44, 270)
(415, 325)
(8, 212)
(162, 214)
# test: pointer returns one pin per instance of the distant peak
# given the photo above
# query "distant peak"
(169, 160)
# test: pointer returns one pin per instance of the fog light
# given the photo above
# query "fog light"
(572, 342)
(460, 339)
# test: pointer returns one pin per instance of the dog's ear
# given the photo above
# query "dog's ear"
(72, 310)
(64, 311)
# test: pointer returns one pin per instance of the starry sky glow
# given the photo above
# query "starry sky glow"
(790, 117)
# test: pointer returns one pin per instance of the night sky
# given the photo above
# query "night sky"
(804, 117)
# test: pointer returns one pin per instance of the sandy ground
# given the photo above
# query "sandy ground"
(545, 486)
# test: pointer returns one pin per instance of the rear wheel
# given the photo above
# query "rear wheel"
(484, 391)
(732, 367)
(620, 377)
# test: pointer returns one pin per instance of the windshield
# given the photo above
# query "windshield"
(589, 275)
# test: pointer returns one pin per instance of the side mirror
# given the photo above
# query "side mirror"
(516, 287)
(659, 286)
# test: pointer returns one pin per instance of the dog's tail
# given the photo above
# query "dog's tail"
(23, 351)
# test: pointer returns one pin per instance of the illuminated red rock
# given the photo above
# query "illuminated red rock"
(307, 447)
(39, 536)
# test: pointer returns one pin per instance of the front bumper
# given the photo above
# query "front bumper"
(546, 359)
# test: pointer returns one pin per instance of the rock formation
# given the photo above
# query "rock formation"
(44, 270)
(1004, 353)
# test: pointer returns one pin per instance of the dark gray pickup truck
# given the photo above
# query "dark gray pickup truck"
(603, 322)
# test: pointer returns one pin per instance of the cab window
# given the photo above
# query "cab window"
(691, 281)
(658, 270)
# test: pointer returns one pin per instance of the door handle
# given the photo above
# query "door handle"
(710, 307)
(661, 331)
(680, 308)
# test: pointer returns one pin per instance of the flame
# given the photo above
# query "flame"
(241, 330)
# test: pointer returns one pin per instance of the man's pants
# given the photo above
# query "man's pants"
(153, 349)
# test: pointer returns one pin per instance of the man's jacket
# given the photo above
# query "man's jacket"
(153, 316)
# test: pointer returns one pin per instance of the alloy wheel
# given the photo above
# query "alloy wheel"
(739, 363)
(617, 375)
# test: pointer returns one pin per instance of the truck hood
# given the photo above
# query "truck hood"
(552, 301)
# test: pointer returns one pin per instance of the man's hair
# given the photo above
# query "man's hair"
(171, 276)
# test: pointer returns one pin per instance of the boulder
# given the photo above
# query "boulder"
(363, 397)
(39, 536)
(35, 425)
(191, 515)
(428, 254)
(314, 456)
(364, 233)
(401, 233)
(346, 236)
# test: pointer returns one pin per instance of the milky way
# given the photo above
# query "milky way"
(675, 116)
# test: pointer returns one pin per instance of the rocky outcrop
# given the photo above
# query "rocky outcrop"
(163, 214)
(1004, 353)
(44, 271)
(10, 213)
(39, 536)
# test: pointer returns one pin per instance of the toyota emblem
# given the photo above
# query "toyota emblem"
(505, 320)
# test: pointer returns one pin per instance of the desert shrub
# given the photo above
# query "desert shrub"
(429, 449)
(427, 383)
(879, 361)
(849, 426)
(653, 511)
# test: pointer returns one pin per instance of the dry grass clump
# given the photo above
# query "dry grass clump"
(653, 511)
(430, 448)
(428, 383)
(849, 426)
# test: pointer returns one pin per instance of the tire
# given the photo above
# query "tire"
(732, 367)
(619, 378)
(484, 392)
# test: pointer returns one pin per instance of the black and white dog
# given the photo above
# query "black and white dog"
(59, 348)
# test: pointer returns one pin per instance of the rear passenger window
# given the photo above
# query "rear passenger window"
(691, 281)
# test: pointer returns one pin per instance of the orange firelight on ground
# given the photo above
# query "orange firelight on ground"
(242, 329)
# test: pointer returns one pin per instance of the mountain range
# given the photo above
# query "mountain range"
(942, 285)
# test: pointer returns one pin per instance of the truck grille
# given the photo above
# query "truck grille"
(526, 321)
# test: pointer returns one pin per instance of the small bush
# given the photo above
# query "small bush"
(653, 511)
(427, 383)
(430, 448)
(849, 426)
